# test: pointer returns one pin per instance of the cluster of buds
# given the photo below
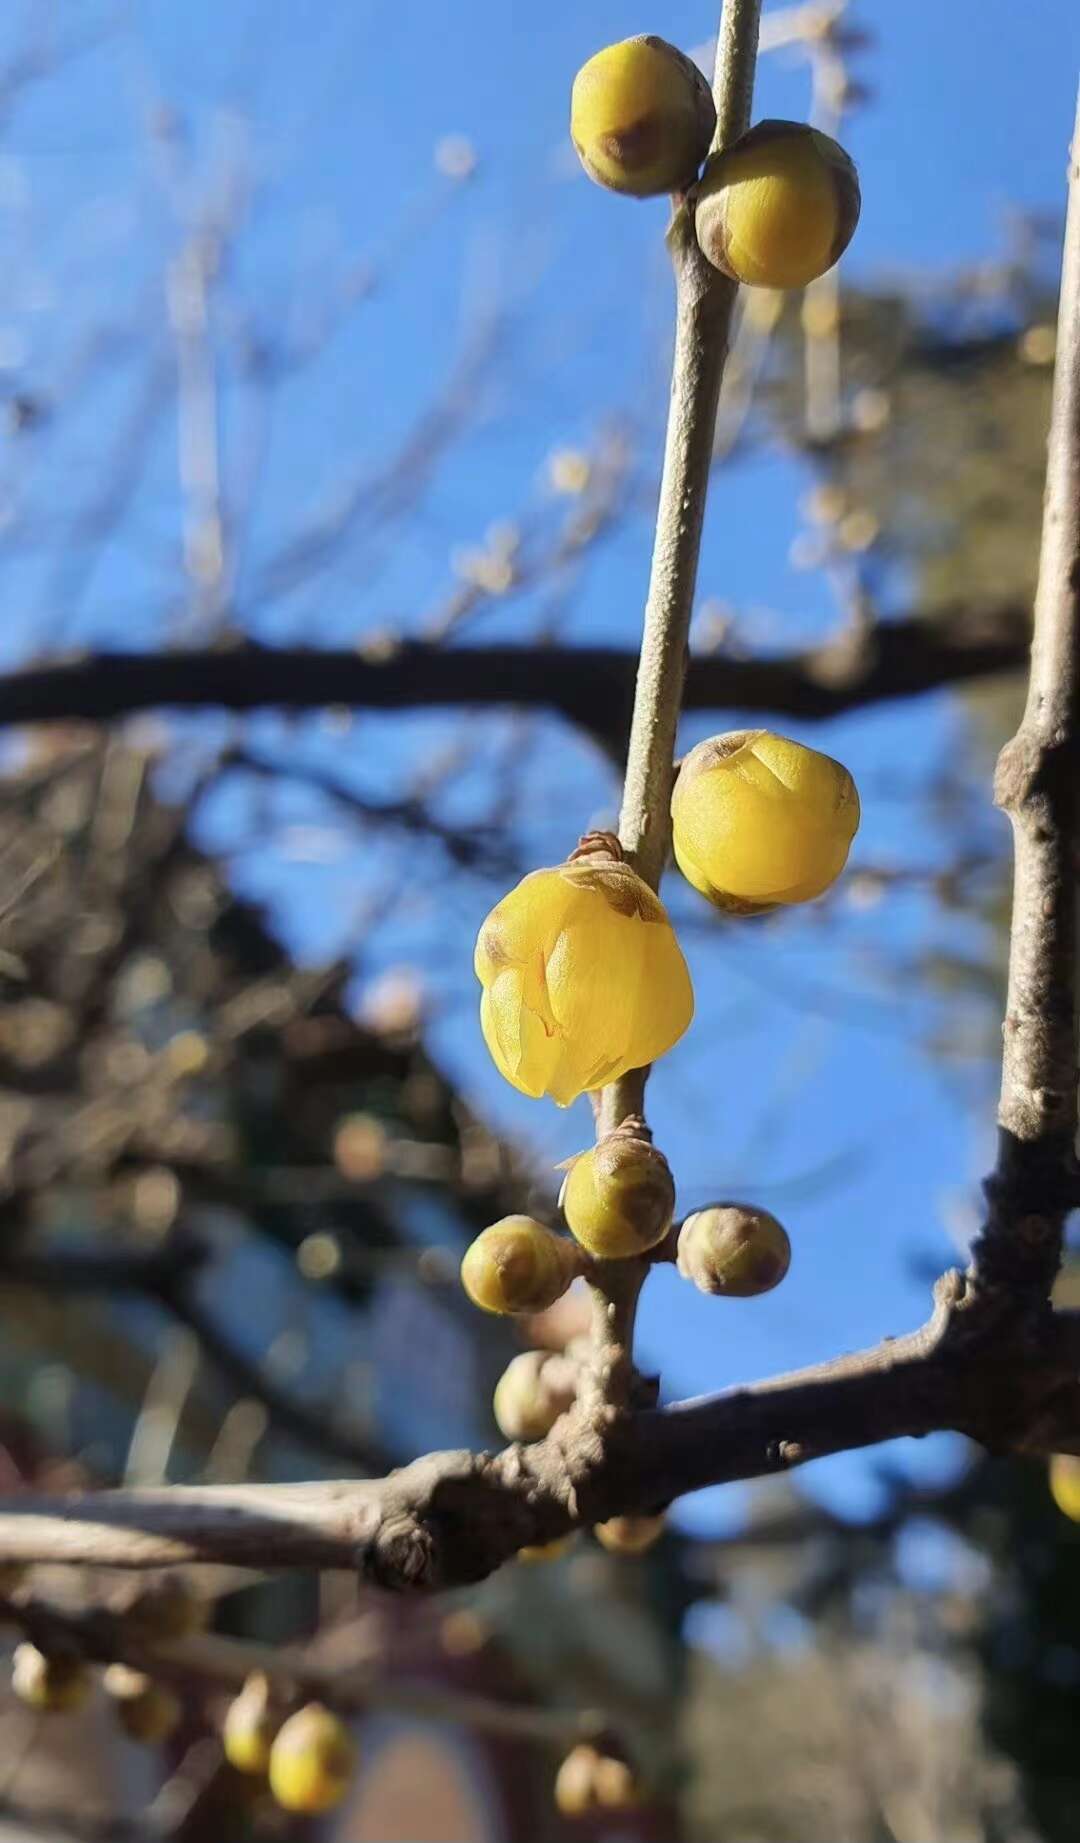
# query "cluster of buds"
(774, 209)
(309, 1758)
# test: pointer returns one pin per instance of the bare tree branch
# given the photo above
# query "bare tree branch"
(590, 686)
(452, 1517)
(1038, 786)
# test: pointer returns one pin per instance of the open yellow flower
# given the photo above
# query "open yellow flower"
(759, 820)
(583, 977)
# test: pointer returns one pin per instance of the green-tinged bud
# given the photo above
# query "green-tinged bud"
(733, 1249)
(56, 1685)
(312, 1760)
(641, 117)
(249, 1727)
(778, 207)
(518, 1265)
(533, 1390)
(629, 1535)
(619, 1197)
(146, 1710)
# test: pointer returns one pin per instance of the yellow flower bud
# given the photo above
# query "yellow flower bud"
(312, 1760)
(641, 117)
(56, 1685)
(595, 1779)
(733, 1249)
(758, 820)
(1065, 1484)
(619, 1197)
(147, 1711)
(248, 1731)
(583, 977)
(629, 1535)
(518, 1266)
(546, 1551)
(533, 1390)
(778, 207)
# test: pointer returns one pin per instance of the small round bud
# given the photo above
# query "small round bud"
(619, 1197)
(1064, 1477)
(166, 1609)
(759, 820)
(733, 1249)
(595, 1779)
(518, 1266)
(546, 1551)
(312, 1760)
(532, 1392)
(629, 1535)
(56, 1685)
(248, 1731)
(582, 976)
(641, 117)
(146, 1711)
(778, 207)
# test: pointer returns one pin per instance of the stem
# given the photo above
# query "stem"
(1038, 786)
(704, 300)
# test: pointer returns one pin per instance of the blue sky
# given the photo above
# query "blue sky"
(804, 1080)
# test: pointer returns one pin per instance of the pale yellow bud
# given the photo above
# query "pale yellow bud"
(733, 1249)
(759, 820)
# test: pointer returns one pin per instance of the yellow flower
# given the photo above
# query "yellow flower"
(641, 117)
(759, 820)
(583, 979)
(778, 207)
(1065, 1484)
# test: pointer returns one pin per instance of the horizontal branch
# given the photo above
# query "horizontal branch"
(590, 686)
(453, 1517)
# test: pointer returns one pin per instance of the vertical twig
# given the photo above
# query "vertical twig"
(1038, 786)
(704, 300)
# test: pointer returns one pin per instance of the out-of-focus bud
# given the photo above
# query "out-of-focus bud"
(629, 1535)
(55, 1685)
(532, 1392)
(1064, 1475)
(147, 1711)
(596, 1779)
(248, 1731)
(312, 1760)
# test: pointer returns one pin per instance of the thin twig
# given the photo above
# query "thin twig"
(704, 302)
